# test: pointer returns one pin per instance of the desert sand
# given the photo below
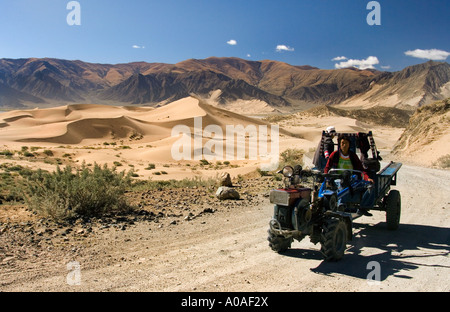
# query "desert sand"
(100, 134)
(132, 136)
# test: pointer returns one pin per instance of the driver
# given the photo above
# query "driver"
(344, 158)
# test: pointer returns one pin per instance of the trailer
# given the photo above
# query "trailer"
(345, 193)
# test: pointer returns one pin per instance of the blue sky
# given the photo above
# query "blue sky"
(299, 32)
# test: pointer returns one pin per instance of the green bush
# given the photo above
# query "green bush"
(150, 167)
(64, 195)
(6, 153)
(204, 162)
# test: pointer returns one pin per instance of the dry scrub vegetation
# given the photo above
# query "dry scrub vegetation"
(79, 193)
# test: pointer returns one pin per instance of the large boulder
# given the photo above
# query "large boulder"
(226, 192)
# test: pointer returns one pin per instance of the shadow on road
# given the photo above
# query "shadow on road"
(397, 250)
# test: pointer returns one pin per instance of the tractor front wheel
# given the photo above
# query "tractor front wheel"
(333, 239)
(279, 243)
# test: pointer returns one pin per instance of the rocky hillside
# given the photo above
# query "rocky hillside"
(427, 133)
(169, 87)
(409, 88)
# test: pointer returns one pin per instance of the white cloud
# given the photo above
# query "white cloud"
(433, 54)
(282, 47)
(339, 58)
(138, 47)
(386, 67)
(232, 42)
(360, 64)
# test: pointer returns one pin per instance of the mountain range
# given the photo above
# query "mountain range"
(47, 82)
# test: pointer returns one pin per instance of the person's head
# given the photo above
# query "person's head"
(331, 131)
(344, 144)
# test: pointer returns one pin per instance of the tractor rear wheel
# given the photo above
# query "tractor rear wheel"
(393, 209)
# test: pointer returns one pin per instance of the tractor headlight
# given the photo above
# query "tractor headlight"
(288, 171)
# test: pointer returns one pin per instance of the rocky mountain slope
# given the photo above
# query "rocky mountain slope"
(409, 88)
(53, 82)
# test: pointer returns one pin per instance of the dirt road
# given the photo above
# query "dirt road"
(228, 251)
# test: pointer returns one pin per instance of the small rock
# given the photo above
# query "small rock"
(189, 217)
(8, 259)
(225, 180)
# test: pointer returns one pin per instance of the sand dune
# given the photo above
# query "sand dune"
(74, 124)
(145, 132)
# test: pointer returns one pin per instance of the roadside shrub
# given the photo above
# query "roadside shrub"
(64, 195)
(291, 157)
(195, 182)
(444, 161)
(262, 173)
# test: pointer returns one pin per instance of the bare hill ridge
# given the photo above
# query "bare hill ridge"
(427, 134)
(283, 87)
(380, 115)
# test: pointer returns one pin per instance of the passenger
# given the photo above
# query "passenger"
(321, 159)
(328, 146)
